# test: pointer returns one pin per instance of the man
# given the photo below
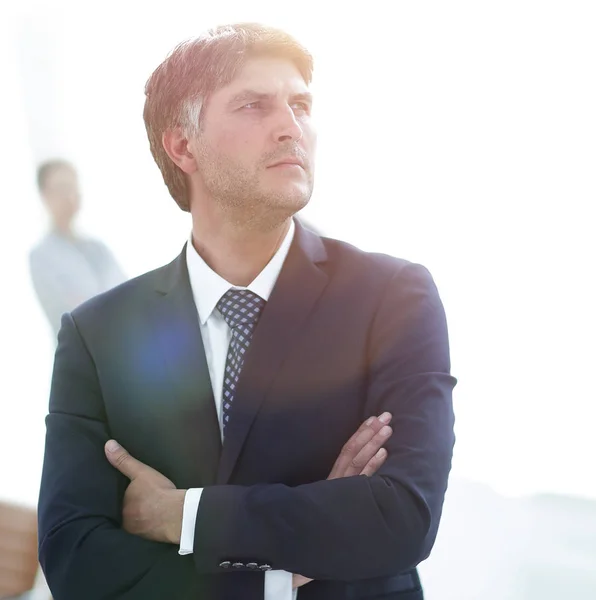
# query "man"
(227, 386)
(67, 269)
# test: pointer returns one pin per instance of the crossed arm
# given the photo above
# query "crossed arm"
(153, 507)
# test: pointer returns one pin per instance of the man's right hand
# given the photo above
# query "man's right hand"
(362, 454)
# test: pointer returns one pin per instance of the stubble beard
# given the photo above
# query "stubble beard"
(239, 194)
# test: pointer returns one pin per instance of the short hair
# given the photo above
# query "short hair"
(45, 169)
(178, 89)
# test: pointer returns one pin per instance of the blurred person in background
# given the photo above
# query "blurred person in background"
(67, 268)
(237, 374)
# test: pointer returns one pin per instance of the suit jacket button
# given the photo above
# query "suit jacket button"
(226, 564)
(238, 565)
(252, 565)
(265, 567)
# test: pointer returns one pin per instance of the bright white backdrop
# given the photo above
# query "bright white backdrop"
(457, 134)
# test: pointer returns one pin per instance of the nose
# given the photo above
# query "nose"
(287, 127)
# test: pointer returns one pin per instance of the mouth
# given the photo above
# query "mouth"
(288, 162)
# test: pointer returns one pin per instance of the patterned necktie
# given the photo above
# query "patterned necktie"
(241, 310)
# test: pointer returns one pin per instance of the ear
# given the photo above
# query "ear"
(176, 144)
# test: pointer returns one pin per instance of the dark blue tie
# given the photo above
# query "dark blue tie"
(241, 310)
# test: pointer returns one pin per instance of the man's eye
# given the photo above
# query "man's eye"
(252, 105)
(301, 106)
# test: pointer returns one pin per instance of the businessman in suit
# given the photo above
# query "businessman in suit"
(211, 421)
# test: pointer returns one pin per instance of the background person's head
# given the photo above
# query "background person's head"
(222, 111)
(59, 188)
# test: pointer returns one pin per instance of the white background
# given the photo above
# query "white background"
(461, 135)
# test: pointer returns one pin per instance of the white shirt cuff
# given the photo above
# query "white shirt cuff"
(278, 584)
(189, 520)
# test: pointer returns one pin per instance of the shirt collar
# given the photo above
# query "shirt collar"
(208, 287)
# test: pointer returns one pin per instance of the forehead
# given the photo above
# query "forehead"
(267, 76)
(60, 174)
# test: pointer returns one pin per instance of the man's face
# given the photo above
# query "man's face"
(255, 151)
(61, 195)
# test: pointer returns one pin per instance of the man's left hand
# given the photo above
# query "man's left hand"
(152, 505)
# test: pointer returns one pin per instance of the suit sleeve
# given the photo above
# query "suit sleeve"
(82, 548)
(359, 527)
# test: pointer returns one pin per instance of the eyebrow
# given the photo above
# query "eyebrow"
(253, 95)
(303, 96)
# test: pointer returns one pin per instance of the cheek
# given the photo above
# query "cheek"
(309, 138)
(236, 143)
(239, 132)
(53, 203)
(227, 138)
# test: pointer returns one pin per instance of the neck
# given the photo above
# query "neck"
(64, 229)
(235, 253)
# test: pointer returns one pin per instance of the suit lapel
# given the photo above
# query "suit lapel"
(176, 326)
(296, 292)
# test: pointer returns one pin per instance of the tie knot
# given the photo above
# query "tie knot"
(240, 308)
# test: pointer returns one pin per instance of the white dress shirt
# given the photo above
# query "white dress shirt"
(207, 289)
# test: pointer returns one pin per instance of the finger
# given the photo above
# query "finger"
(122, 460)
(356, 443)
(351, 461)
(368, 451)
(375, 463)
(351, 448)
(299, 581)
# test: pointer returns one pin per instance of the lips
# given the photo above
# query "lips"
(288, 161)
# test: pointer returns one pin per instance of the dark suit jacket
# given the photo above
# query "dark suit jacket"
(345, 335)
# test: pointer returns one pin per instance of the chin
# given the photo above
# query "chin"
(291, 193)
(294, 203)
(277, 208)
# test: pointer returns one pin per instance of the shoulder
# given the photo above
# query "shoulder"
(45, 256)
(44, 246)
(120, 300)
(96, 246)
(370, 269)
